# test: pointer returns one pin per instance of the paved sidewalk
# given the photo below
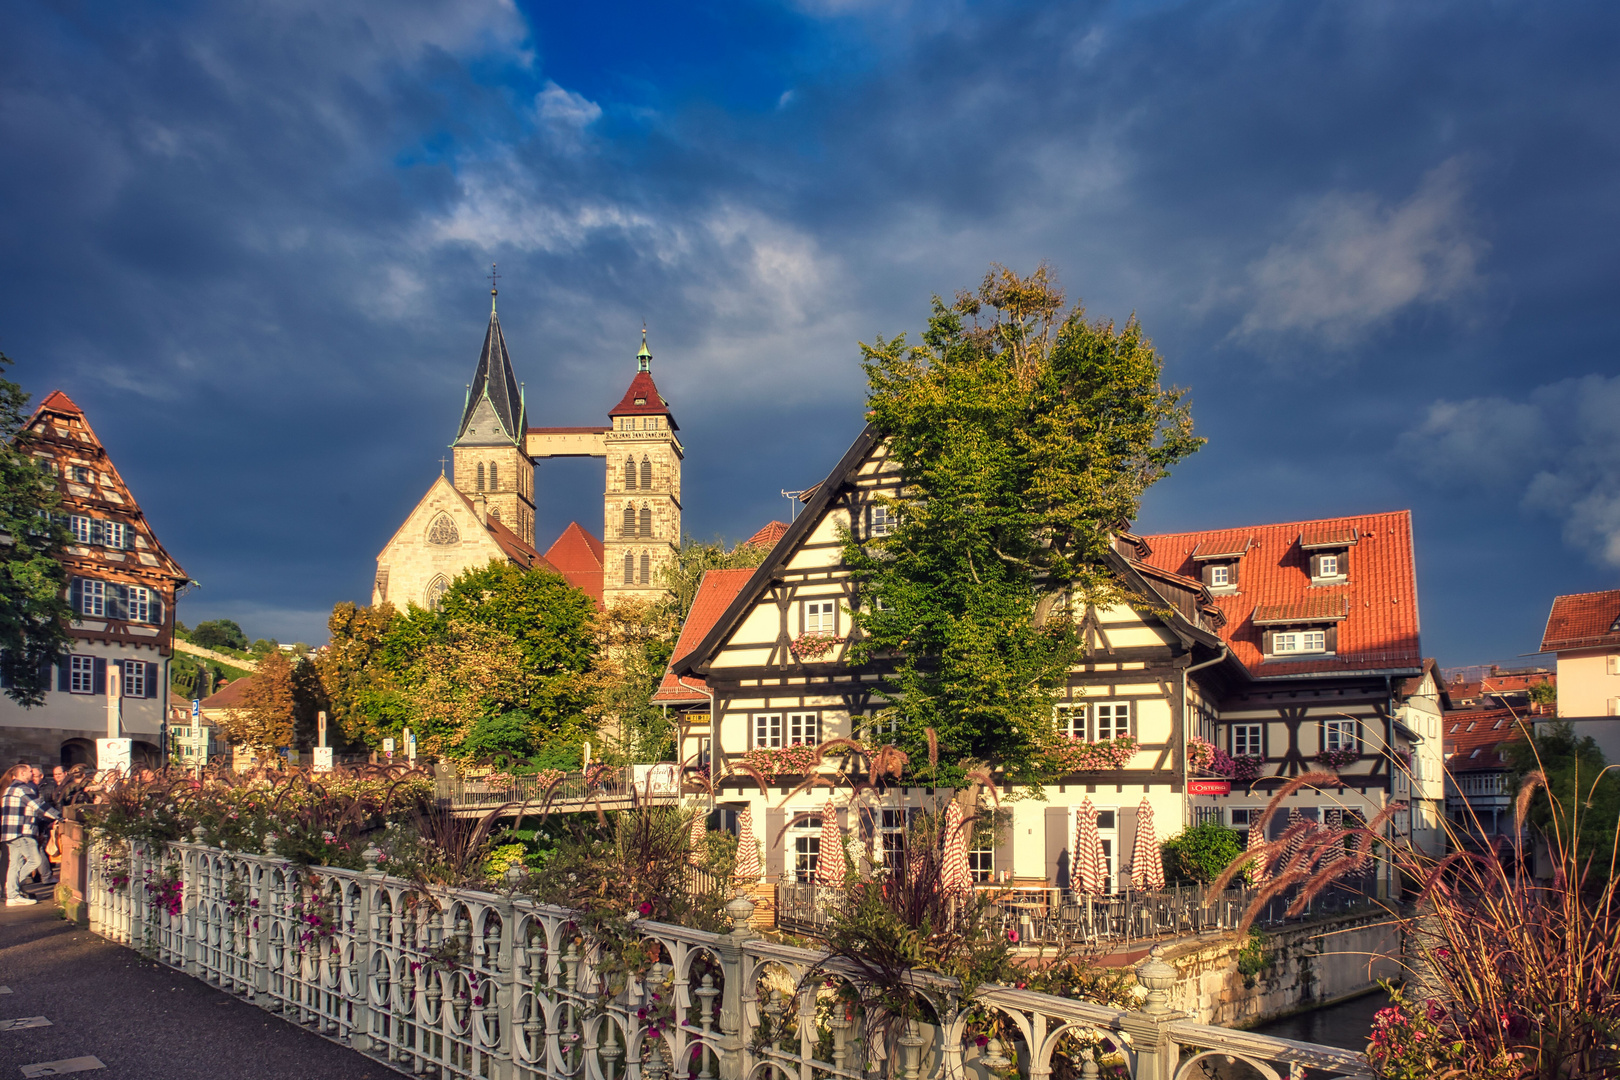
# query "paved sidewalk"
(144, 1021)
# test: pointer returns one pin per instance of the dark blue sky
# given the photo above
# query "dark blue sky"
(1377, 241)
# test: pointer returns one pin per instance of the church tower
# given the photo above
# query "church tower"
(642, 504)
(490, 461)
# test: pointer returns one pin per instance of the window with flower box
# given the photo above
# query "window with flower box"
(820, 617)
(803, 728)
(1247, 740)
(1071, 720)
(1339, 735)
(1113, 720)
(768, 730)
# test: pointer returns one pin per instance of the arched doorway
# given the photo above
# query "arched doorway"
(78, 752)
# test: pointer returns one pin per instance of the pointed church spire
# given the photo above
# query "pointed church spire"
(494, 414)
(644, 358)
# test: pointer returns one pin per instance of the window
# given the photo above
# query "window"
(768, 730)
(646, 473)
(1299, 641)
(1219, 576)
(84, 530)
(435, 592)
(138, 607)
(92, 598)
(820, 616)
(880, 604)
(646, 522)
(443, 531)
(892, 835)
(81, 675)
(134, 679)
(875, 729)
(494, 484)
(81, 474)
(117, 535)
(629, 474)
(1205, 815)
(646, 567)
(629, 568)
(1242, 818)
(982, 864)
(882, 521)
(1339, 735)
(1246, 740)
(1329, 565)
(1071, 721)
(628, 528)
(480, 476)
(1113, 720)
(804, 728)
(806, 849)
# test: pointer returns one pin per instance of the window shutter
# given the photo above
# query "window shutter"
(1316, 566)
(98, 681)
(1057, 846)
(774, 840)
(1232, 572)
(76, 595)
(5, 670)
(1003, 857)
(1125, 860)
(1207, 573)
(1344, 562)
(64, 680)
(646, 474)
(1332, 639)
(156, 606)
(1265, 642)
(117, 601)
(151, 680)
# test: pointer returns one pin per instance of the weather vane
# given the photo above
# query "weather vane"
(492, 278)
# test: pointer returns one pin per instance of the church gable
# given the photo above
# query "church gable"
(441, 538)
(484, 427)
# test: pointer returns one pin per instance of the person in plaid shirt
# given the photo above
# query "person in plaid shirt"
(19, 809)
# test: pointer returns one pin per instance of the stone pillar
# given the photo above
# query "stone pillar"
(1156, 1056)
(735, 1060)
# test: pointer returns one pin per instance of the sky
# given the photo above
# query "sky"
(1376, 242)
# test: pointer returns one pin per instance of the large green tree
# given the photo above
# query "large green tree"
(684, 573)
(34, 612)
(1581, 797)
(1027, 436)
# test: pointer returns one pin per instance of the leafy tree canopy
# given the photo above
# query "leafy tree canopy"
(683, 574)
(219, 634)
(1587, 799)
(1027, 436)
(34, 613)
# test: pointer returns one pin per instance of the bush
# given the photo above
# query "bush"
(1201, 852)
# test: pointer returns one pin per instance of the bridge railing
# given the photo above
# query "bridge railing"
(609, 786)
(463, 984)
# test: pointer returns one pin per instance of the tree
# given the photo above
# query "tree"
(269, 713)
(219, 634)
(634, 640)
(1027, 436)
(1580, 800)
(684, 573)
(34, 612)
(361, 688)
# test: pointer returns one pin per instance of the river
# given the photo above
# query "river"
(1345, 1025)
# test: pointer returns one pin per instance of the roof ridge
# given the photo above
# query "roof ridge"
(1407, 513)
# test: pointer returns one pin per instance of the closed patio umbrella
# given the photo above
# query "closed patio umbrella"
(1147, 864)
(748, 870)
(955, 877)
(1089, 871)
(1258, 870)
(1297, 844)
(830, 861)
(700, 830)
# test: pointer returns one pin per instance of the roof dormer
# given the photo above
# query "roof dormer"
(1220, 563)
(1306, 628)
(1328, 553)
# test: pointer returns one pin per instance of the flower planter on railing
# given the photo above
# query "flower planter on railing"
(771, 762)
(1078, 756)
(462, 984)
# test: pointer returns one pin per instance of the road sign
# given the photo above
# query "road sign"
(388, 747)
(323, 759)
(1209, 787)
(196, 709)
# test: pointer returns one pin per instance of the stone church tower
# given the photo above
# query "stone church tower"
(642, 501)
(491, 464)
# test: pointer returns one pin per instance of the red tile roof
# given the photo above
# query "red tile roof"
(577, 556)
(642, 390)
(1475, 740)
(229, 696)
(509, 542)
(768, 536)
(1324, 608)
(1228, 547)
(56, 401)
(1583, 620)
(715, 593)
(1327, 536)
(1379, 599)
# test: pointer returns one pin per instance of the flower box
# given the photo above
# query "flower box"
(1078, 756)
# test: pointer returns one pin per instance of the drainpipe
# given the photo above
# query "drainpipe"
(1186, 795)
(714, 737)
(1389, 756)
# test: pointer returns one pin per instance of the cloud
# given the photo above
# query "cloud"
(1556, 453)
(564, 111)
(1353, 263)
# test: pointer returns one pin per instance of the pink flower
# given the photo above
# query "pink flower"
(645, 908)
(1012, 935)
(981, 1041)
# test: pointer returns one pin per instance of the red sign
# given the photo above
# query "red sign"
(1209, 787)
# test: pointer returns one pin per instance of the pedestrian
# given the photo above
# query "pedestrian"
(19, 807)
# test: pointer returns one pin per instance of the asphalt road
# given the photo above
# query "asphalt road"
(144, 1021)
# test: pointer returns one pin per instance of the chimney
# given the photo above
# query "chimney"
(481, 508)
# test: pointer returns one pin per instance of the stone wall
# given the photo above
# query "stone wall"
(1301, 967)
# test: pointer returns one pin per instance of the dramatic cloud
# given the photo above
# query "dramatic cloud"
(1352, 262)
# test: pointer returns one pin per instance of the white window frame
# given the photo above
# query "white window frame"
(1298, 642)
(803, 728)
(93, 598)
(768, 730)
(1339, 735)
(806, 835)
(1113, 717)
(1220, 576)
(134, 678)
(1073, 718)
(138, 604)
(982, 864)
(891, 827)
(83, 528)
(1248, 740)
(1327, 565)
(115, 534)
(882, 521)
(81, 674)
(873, 728)
(820, 617)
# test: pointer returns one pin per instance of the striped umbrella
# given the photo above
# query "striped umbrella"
(1147, 865)
(1297, 844)
(748, 869)
(1259, 869)
(830, 861)
(1335, 847)
(1088, 869)
(700, 830)
(955, 877)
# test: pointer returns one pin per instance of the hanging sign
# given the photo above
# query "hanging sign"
(1209, 787)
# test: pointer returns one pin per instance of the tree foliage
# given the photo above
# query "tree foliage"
(1027, 436)
(1574, 774)
(1200, 852)
(34, 613)
(634, 640)
(683, 574)
(219, 634)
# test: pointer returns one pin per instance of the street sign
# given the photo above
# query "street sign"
(388, 747)
(410, 744)
(323, 759)
(1209, 787)
(196, 709)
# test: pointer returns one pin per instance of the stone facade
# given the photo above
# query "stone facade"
(444, 536)
(641, 514)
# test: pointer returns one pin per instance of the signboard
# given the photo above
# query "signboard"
(196, 709)
(323, 759)
(320, 719)
(1209, 787)
(114, 753)
(388, 747)
(410, 744)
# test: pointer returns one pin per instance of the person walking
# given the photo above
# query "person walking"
(19, 807)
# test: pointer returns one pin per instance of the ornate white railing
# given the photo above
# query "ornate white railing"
(467, 985)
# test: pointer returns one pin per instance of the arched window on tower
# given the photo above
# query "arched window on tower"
(646, 567)
(480, 476)
(646, 522)
(629, 474)
(646, 474)
(629, 568)
(494, 484)
(629, 527)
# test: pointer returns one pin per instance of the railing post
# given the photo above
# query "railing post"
(502, 1004)
(360, 1029)
(1156, 1055)
(196, 909)
(734, 1056)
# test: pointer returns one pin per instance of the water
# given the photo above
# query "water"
(1344, 1025)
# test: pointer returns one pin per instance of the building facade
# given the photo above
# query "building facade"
(1285, 645)
(122, 584)
(1583, 631)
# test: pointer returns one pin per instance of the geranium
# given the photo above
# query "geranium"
(1077, 755)
(1205, 755)
(771, 762)
(1246, 769)
(1337, 759)
(813, 645)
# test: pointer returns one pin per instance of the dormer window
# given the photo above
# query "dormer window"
(1298, 641)
(1306, 628)
(1219, 562)
(1220, 576)
(1327, 548)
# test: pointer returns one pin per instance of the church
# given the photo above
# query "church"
(484, 510)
